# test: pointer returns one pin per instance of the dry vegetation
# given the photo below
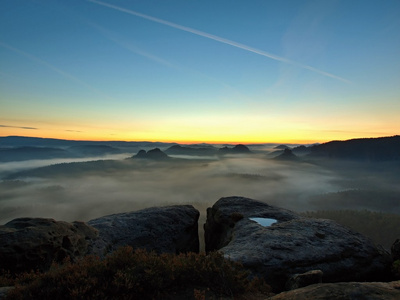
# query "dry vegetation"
(128, 274)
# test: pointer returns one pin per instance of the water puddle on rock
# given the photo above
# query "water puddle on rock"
(264, 221)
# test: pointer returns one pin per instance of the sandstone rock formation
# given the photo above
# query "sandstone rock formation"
(287, 155)
(192, 150)
(154, 154)
(238, 149)
(170, 229)
(305, 279)
(344, 291)
(34, 243)
(292, 245)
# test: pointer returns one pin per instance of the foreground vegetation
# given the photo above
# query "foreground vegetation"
(128, 274)
(382, 228)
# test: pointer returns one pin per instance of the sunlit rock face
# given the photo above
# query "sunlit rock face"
(34, 243)
(293, 245)
(170, 229)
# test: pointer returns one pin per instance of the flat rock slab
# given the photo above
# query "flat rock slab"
(344, 291)
(170, 229)
(292, 245)
(34, 243)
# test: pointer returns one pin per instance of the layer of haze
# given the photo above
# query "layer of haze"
(83, 191)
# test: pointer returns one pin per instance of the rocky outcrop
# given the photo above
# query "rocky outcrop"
(227, 212)
(198, 151)
(238, 149)
(287, 155)
(154, 154)
(305, 279)
(170, 229)
(34, 243)
(344, 291)
(371, 149)
(292, 245)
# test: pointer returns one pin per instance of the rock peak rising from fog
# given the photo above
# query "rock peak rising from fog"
(95, 186)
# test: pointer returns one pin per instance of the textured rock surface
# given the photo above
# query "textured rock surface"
(291, 246)
(33, 243)
(226, 212)
(170, 229)
(305, 279)
(344, 291)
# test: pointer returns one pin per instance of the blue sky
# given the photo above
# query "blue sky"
(222, 71)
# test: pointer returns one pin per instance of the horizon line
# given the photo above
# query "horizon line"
(294, 142)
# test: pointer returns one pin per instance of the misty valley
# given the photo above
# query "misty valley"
(354, 182)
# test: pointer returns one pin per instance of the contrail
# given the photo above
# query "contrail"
(108, 34)
(55, 69)
(219, 39)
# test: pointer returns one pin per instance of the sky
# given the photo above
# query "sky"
(200, 71)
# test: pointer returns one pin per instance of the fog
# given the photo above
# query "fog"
(83, 191)
(15, 166)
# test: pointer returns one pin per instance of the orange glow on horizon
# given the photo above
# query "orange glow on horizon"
(98, 136)
(193, 132)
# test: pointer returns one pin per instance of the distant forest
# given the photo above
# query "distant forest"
(382, 228)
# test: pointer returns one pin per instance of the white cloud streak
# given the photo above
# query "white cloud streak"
(130, 47)
(53, 68)
(220, 39)
(20, 127)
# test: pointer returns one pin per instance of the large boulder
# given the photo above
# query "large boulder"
(344, 291)
(34, 243)
(170, 229)
(291, 245)
(305, 279)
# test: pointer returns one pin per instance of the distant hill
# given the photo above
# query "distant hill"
(368, 149)
(287, 155)
(301, 150)
(28, 153)
(22, 141)
(281, 147)
(238, 149)
(93, 150)
(154, 154)
(199, 151)
(75, 169)
(19, 148)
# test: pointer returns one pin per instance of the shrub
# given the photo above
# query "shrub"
(396, 268)
(128, 274)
